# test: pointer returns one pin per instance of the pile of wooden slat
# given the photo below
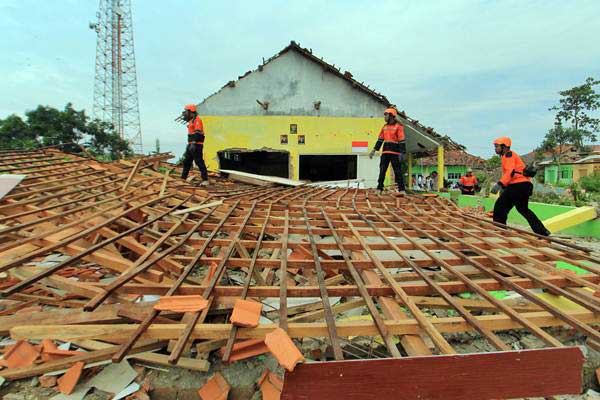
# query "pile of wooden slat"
(123, 258)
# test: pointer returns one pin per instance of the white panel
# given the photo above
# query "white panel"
(368, 170)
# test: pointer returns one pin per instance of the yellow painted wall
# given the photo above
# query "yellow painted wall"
(580, 170)
(323, 135)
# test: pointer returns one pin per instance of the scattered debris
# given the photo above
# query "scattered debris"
(67, 382)
(216, 388)
(246, 313)
(125, 262)
(284, 349)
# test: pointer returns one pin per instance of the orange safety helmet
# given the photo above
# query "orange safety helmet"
(392, 111)
(190, 107)
(503, 140)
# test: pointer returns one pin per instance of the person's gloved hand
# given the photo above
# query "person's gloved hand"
(372, 153)
(401, 157)
(191, 148)
(496, 188)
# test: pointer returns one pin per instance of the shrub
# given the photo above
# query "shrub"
(591, 183)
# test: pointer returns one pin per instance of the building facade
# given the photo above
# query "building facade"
(298, 117)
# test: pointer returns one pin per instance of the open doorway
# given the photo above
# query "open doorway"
(260, 162)
(320, 168)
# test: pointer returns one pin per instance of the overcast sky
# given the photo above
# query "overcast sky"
(471, 69)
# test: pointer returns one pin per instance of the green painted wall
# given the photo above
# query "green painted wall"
(566, 174)
(542, 210)
(425, 170)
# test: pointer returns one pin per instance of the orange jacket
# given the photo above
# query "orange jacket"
(468, 181)
(392, 138)
(195, 131)
(512, 169)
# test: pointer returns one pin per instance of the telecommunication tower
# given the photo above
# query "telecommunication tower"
(115, 86)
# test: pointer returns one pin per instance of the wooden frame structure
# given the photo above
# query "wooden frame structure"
(398, 257)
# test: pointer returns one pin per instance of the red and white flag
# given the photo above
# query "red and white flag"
(360, 147)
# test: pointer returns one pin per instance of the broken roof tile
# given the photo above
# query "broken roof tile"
(21, 354)
(192, 303)
(216, 388)
(246, 313)
(68, 381)
(283, 349)
(246, 349)
(270, 385)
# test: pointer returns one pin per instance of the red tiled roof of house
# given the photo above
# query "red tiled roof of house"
(455, 157)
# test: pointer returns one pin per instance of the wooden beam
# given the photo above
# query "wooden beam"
(354, 328)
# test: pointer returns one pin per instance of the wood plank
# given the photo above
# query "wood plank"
(103, 315)
(502, 375)
(154, 358)
(413, 289)
(296, 330)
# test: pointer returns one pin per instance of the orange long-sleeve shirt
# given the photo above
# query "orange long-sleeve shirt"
(512, 169)
(468, 180)
(196, 131)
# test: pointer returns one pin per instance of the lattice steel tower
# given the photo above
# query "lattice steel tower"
(115, 87)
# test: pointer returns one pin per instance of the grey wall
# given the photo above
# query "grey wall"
(291, 84)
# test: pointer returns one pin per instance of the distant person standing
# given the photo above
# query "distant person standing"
(468, 183)
(516, 188)
(433, 184)
(195, 146)
(391, 137)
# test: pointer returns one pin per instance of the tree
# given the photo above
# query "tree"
(105, 142)
(56, 127)
(574, 107)
(157, 149)
(493, 162)
(47, 126)
(15, 133)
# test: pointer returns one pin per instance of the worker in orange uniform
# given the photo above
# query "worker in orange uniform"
(193, 151)
(516, 187)
(468, 183)
(394, 149)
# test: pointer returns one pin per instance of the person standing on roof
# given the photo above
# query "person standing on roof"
(193, 151)
(394, 149)
(468, 183)
(516, 188)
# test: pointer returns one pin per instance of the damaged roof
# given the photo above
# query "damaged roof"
(427, 131)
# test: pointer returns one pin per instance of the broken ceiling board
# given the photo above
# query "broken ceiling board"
(8, 183)
(253, 178)
(502, 375)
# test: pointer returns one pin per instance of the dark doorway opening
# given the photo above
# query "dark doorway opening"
(261, 162)
(319, 168)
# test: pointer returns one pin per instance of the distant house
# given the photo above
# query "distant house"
(573, 165)
(456, 163)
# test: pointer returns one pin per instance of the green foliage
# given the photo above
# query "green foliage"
(556, 141)
(554, 198)
(591, 183)
(16, 133)
(47, 126)
(482, 178)
(106, 142)
(57, 127)
(493, 162)
(574, 107)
